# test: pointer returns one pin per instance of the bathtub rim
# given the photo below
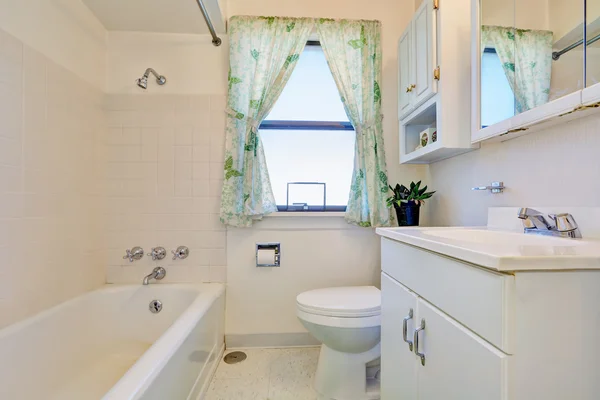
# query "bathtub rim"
(108, 287)
(137, 379)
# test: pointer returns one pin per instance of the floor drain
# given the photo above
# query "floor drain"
(235, 357)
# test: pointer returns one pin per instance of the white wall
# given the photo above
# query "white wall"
(315, 252)
(164, 154)
(162, 177)
(49, 231)
(191, 63)
(555, 167)
(65, 31)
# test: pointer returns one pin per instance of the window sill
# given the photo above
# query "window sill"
(308, 214)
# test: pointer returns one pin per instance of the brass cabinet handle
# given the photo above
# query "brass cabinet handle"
(410, 88)
(405, 329)
(416, 340)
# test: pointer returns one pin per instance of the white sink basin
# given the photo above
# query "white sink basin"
(501, 238)
(502, 250)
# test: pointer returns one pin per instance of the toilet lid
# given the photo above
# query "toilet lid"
(354, 301)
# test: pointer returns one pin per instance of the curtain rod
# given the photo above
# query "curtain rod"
(556, 55)
(216, 40)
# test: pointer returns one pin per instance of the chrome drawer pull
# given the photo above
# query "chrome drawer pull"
(416, 340)
(405, 329)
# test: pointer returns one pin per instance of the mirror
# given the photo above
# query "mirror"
(593, 43)
(531, 54)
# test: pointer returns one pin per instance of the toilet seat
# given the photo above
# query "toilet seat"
(344, 307)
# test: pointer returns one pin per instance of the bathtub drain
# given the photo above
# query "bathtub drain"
(235, 357)
(155, 306)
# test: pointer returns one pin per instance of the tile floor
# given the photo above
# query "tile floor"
(267, 374)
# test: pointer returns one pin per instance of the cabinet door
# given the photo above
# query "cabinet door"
(405, 63)
(458, 364)
(398, 362)
(423, 53)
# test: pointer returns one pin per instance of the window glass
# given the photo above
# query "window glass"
(311, 93)
(307, 154)
(310, 156)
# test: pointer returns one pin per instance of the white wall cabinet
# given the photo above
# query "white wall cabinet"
(405, 77)
(434, 82)
(423, 33)
(415, 57)
(488, 335)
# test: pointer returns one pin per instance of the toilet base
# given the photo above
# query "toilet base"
(343, 376)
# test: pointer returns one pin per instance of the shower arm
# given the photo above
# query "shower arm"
(153, 72)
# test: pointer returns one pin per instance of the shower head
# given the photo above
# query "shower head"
(143, 81)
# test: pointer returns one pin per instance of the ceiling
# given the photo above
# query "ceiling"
(164, 16)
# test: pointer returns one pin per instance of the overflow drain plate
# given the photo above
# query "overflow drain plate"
(235, 357)
(155, 306)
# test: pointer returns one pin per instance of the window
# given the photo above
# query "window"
(309, 141)
(497, 99)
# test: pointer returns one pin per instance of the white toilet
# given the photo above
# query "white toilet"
(347, 321)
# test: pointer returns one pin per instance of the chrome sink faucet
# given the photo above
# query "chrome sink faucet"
(560, 225)
(157, 273)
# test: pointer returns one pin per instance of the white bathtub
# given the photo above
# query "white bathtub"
(107, 344)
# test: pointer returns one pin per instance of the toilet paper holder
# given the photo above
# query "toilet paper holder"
(269, 246)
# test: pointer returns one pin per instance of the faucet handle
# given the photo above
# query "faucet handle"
(564, 222)
(181, 253)
(157, 253)
(136, 253)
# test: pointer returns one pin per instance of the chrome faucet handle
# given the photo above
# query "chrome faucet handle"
(159, 273)
(181, 253)
(136, 253)
(157, 253)
(564, 222)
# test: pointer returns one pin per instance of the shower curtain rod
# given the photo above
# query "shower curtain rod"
(556, 55)
(216, 40)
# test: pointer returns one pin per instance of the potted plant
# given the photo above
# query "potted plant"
(407, 202)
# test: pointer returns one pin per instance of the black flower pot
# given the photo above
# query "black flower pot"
(408, 214)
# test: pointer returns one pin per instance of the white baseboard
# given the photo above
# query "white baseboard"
(274, 340)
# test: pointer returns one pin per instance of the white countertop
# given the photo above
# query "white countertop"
(502, 250)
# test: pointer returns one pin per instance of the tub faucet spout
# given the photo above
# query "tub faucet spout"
(157, 273)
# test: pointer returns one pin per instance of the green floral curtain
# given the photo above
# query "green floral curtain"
(353, 52)
(262, 55)
(526, 57)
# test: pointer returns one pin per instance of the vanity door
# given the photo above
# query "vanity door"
(459, 365)
(398, 362)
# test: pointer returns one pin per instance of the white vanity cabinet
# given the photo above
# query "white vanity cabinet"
(457, 363)
(523, 335)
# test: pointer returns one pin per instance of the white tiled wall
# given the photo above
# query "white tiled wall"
(49, 233)
(163, 176)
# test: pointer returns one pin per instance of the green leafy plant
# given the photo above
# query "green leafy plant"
(403, 196)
